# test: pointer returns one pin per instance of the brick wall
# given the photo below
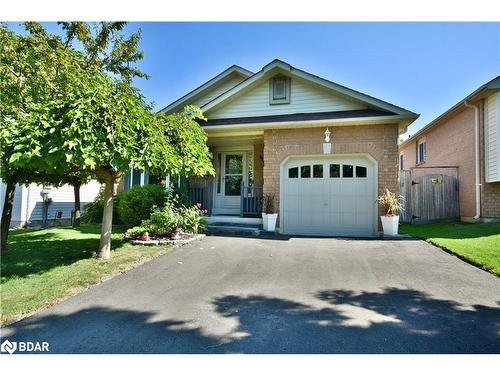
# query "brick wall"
(258, 164)
(452, 143)
(490, 200)
(380, 141)
(449, 144)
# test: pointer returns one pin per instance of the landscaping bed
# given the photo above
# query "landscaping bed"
(478, 243)
(183, 239)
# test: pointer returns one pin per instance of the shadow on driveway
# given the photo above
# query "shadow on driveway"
(392, 321)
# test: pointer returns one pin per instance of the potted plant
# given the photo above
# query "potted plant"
(391, 204)
(268, 215)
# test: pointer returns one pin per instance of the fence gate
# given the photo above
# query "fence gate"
(429, 198)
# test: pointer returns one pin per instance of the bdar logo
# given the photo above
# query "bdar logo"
(8, 347)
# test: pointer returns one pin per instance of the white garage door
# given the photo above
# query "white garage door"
(333, 196)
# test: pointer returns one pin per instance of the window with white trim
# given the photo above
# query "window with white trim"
(279, 90)
(136, 177)
(421, 151)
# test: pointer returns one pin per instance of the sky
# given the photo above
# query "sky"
(423, 67)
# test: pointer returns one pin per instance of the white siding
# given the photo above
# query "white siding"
(304, 98)
(18, 199)
(219, 90)
(62, 200)
(28, 204)
(492, 138)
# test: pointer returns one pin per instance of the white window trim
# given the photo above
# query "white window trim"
(131, 179)
(419, 159)
(286, 99)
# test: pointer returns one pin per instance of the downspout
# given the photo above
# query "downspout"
(478, 165)
(28, 198)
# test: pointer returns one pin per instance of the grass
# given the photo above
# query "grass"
(42, 267)
(478, 244)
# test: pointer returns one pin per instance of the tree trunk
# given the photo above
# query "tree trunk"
(107, 219)
(76, 190)
(7, 213)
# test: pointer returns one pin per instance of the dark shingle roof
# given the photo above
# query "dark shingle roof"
(298, 117)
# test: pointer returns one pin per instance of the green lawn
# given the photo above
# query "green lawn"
(477, 243)
(42, 267)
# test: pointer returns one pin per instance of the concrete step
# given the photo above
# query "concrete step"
(231, 219)
(233, 229)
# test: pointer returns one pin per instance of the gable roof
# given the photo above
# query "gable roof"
(251, 80)
(200, 90)
(277, 66)
(487, 89)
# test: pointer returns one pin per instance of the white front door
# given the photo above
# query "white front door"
(232, 173)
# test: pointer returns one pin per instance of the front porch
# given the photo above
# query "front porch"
(236, 189)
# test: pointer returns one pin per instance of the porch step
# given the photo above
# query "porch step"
(230, 219)
(241, 229)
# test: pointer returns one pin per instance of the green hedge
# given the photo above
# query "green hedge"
(137, 204)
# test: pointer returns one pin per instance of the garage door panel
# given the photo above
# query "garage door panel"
(334, 186)
(330, 205)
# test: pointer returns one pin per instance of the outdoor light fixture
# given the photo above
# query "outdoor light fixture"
(327, 146)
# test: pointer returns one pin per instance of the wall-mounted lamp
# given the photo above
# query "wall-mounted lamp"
(327, 146)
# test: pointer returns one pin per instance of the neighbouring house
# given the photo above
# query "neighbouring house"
(30, 208)
(464, 142)
(267, 132)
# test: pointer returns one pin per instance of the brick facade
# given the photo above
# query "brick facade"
(451, 143)
(380, 141)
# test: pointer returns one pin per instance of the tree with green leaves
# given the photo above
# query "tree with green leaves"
(106, 128)
(99, 124)
(27, 76)
(36, 67)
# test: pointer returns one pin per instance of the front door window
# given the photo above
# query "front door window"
(233, 174)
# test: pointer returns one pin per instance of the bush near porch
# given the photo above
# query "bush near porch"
(169, 220)
(136, 204)
(476, 243)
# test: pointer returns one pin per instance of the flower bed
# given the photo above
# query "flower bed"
(183, 240)
(169, 225)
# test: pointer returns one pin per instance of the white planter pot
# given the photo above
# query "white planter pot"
(327, 148)
(390, 225)
(269, 222)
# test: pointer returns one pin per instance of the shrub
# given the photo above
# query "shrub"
(137, 203)
(135, 232)
(192, 220)
(164, 222)
(92, 213)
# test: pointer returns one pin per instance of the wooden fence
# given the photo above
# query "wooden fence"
(428, 198)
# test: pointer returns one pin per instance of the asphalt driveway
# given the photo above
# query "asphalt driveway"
(297, 295)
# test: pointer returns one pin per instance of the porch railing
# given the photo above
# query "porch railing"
(251, 200)
(202, 195)
(197, 195)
